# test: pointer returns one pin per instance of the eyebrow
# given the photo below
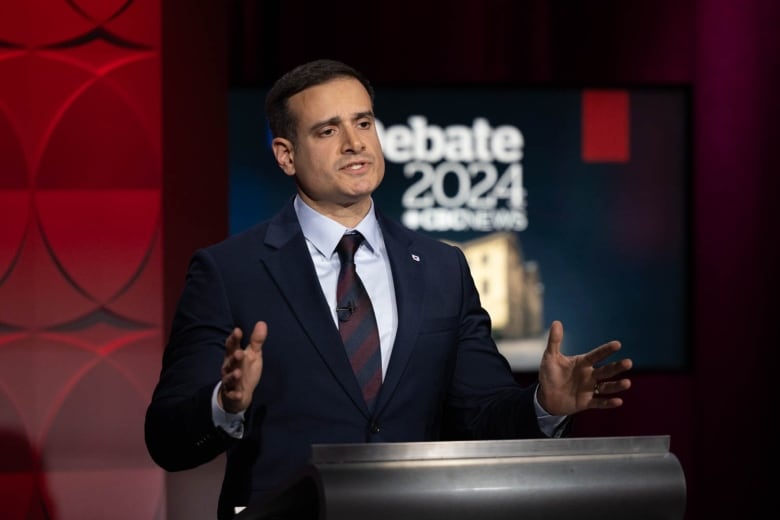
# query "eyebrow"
(337, 120)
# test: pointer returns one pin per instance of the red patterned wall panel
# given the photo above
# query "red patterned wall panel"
(80, 257)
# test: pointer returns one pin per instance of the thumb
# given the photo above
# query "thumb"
(259, 333)
(555, 338)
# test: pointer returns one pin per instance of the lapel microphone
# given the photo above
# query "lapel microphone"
(345, 313)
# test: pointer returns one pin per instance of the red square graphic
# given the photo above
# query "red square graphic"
(605, 126)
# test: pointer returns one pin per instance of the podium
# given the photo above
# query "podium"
(597, 478)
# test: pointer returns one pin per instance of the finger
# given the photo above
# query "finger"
(602, 352)
(231, 394)
(612, 402)
(259, 333)
(613, 387)
(233, 341)
(232, 369)
(233, 359)
(231, 379)
(555, 338)
(613, 369)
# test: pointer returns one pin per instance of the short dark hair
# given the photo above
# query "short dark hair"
(281, 121)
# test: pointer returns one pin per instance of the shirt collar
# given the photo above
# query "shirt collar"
(325, 233)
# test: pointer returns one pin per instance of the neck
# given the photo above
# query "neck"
(348, 215)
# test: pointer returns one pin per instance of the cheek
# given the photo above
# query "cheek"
(380, 164)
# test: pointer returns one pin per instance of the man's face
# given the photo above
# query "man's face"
(337, 160)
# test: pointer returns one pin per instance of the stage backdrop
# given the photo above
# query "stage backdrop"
(569, 203)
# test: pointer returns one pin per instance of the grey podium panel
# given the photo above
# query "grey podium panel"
(600, 478)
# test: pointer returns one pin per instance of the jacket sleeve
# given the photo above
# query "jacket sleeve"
(485, 401)
(179, 429)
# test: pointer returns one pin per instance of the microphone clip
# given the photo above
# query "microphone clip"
(345, 313)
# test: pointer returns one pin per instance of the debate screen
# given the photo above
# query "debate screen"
(570, 204)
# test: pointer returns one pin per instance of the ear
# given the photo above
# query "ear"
(283, 152)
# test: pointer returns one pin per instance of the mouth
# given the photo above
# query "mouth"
(355, 166)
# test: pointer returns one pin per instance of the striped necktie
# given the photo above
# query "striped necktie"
(357, 323)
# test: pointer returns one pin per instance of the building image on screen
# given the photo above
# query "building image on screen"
(511, 291)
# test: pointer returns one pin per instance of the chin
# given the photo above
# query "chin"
(365, 186)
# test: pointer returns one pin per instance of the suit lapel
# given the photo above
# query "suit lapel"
(408, 266)
(289, 263)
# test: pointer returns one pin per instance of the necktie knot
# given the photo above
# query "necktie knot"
(347, 247)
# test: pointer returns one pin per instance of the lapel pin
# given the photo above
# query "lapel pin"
(415, 258)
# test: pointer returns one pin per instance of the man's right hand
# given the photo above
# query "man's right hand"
(241, 369)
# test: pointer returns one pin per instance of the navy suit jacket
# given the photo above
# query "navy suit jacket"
(446, 379)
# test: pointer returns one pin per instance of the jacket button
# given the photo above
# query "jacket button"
(375, 428)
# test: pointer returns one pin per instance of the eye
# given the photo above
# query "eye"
(327, 132)
(365, 124)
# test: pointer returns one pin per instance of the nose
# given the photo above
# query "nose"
(353, 143)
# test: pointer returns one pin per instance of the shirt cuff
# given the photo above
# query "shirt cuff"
(230, 423)
(548, 424)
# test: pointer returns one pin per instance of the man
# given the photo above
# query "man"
(291, 384)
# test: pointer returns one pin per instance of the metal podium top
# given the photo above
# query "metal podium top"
(406, 451)
(593, 478)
